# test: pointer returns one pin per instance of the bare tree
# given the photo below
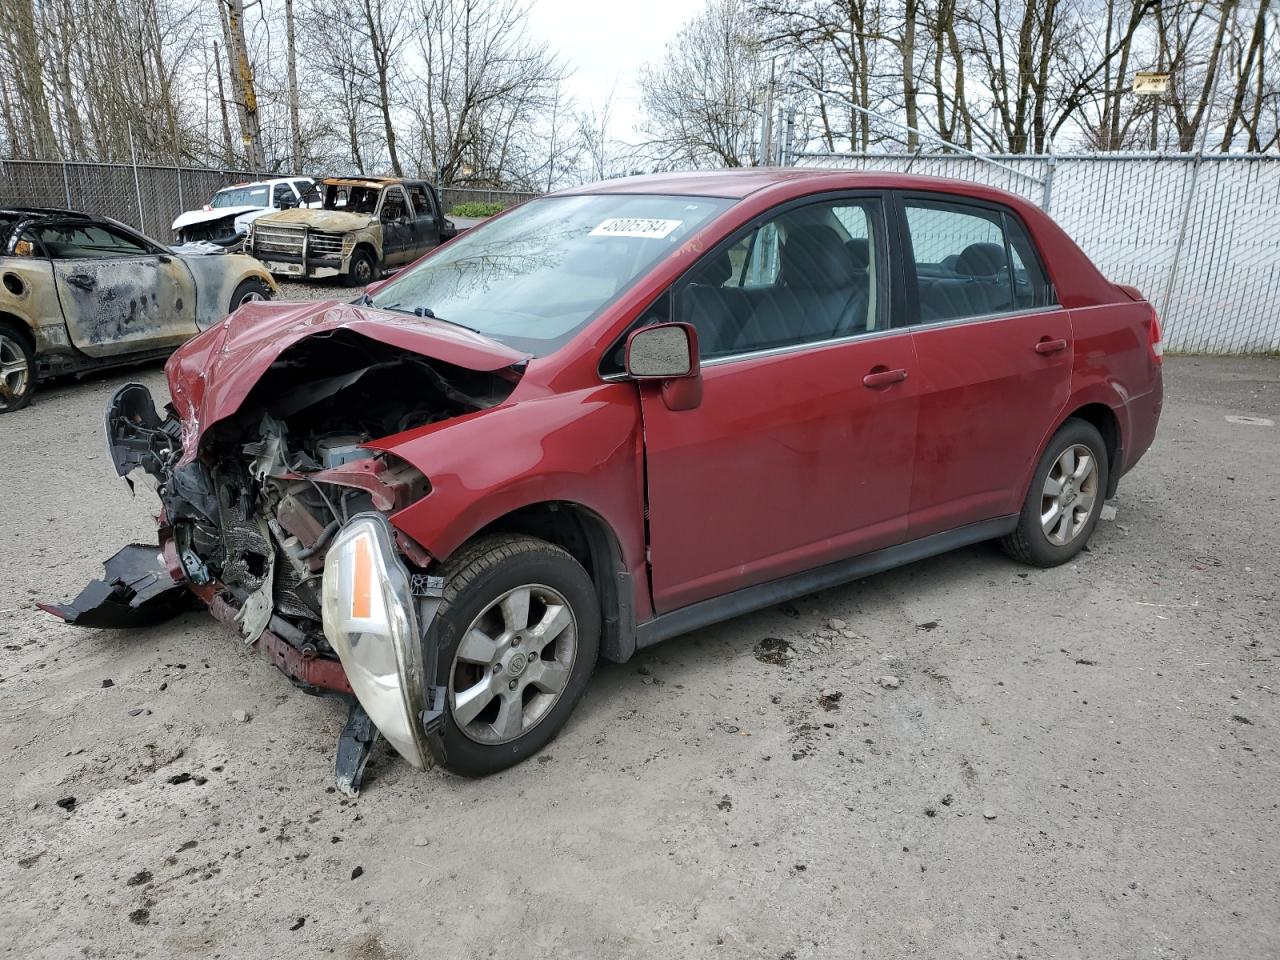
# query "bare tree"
(295, 112)
(482, 92)
(242, 85)
(702, 101)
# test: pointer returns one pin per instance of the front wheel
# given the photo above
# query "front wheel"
(362, 271)
(1065, 499)
(518, 632)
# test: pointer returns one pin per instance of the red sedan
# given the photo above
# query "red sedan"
(617, 414)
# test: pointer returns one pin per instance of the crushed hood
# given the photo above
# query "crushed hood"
(331, 221)
(192, 217)
(210, 376)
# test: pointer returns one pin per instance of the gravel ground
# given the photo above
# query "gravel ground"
(1077, 763)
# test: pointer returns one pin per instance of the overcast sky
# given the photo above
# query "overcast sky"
(605, 42)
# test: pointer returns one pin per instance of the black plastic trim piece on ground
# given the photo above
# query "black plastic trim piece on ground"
(355, 746)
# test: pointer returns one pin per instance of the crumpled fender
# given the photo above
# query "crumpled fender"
(583, 447)
(192, 217)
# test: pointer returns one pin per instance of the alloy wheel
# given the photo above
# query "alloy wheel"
(512, 664)
(15, 372)
(1070, 491)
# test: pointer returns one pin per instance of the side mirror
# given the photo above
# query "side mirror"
(288, 203)
(667, 352)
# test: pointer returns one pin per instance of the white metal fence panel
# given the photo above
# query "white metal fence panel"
(1127, 213)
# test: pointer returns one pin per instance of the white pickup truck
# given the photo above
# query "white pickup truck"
(225, 219)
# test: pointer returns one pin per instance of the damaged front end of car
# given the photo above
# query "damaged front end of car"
(275, 515)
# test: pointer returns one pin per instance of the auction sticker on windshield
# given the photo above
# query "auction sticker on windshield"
(635, 227)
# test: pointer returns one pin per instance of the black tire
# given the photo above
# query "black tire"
(1029, 542)
(248, 291)
(363, 269)
(16, 348)
(477, 575)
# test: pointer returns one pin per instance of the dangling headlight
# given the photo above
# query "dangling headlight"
(369, 620)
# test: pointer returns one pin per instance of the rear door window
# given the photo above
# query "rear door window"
(421, 200)
(971, 261)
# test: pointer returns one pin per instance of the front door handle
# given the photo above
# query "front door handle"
(882, 377)
(82, 280)
(1050, 346)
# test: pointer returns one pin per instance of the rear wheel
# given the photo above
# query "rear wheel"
(1065, 499)
(249, 291)
(362, 271)
(17, 370)
(518, 633)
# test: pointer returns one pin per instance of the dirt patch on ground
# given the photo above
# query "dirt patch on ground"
(1073, 763)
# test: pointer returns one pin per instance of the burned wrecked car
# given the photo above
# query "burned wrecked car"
(224, 220)
(617, 414)
(80, 293)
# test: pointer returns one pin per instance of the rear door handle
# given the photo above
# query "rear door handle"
(882, 377)
(82, 280)
(1051, 346)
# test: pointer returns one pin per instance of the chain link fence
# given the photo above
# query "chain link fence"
(1199, 236)
(149, 198)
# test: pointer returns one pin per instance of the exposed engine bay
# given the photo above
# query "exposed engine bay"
(252, 515)
(271, 464)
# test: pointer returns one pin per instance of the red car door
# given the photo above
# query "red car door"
(994, 356)
(801, 449)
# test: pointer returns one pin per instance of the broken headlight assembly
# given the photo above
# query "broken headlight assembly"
(369, 615)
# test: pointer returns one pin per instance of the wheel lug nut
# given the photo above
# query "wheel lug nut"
(511, 685)
(515, 641)
(497, 668)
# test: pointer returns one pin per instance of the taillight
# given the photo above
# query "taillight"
(1155, 340)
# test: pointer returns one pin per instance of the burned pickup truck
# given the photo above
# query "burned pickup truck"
(365, 225)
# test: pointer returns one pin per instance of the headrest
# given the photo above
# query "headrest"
(860, 250)
(715, 271)
(981, 260)
(815, 258)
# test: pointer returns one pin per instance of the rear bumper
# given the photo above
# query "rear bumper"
(1143, 416)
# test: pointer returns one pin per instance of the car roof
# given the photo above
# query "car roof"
(739, 183)
(262, 183)
(373, 182)
(42, 213)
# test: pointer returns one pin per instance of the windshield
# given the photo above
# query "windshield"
(241, 197)
(535, 277)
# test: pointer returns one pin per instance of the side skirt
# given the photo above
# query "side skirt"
(706, 612)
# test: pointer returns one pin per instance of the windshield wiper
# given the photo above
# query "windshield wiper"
(428, 313)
